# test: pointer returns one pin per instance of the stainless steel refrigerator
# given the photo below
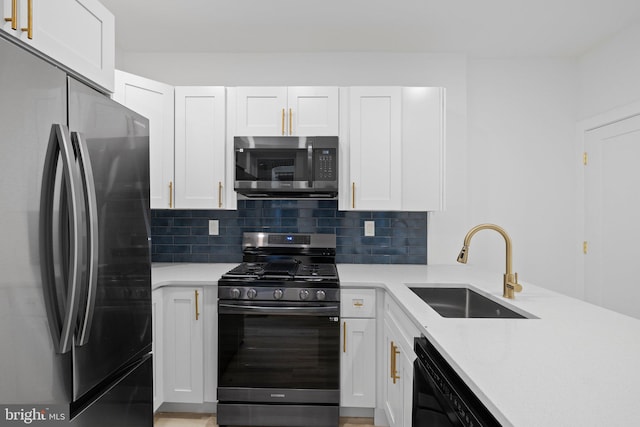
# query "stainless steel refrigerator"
(75, 276)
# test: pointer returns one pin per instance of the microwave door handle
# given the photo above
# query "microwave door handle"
(90, 200)
(310, 164)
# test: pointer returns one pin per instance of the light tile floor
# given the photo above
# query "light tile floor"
(208, 420)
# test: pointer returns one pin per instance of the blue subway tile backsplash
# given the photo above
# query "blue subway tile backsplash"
(183, 235)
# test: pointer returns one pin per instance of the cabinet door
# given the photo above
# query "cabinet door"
(261, 111)
(375, 148)
(200, 147)
(422, 148)
(9, 23)
(404, 362)
(393, 381)
(78, 33)
(154, 100)
(183, 346)
(157, 303)
(312, 111)
(358, 363)
(398, 374)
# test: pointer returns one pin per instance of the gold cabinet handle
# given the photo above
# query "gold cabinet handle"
(392, 356)
(29, 28)
(219, 194)
(394, 370)
(14, 15)
(197, 306)
(290, 121)
(353, 195)
(344, 337)
(283, 121)
(170, 194)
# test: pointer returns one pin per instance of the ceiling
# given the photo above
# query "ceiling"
(481, 28)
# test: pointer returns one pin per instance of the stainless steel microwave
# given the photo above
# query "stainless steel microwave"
(286, 166)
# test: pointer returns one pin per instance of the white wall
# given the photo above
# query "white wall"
(609, 74)
(521, 131)
(510, 133)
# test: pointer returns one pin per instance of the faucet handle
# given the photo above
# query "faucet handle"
(517, 287)
(511, 285)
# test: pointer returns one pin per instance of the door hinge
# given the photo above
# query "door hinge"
(585, 247)
(585, 158)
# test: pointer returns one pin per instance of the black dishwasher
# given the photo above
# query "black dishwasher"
(440, 397)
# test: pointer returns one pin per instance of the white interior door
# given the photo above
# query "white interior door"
(612, 202)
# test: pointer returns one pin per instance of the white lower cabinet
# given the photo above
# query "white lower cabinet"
(397, 369)
(183, 345)
(358, 357)
(157, 313)
(398, 384)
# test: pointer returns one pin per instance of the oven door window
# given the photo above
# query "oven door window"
(272, 165)
(284, 347)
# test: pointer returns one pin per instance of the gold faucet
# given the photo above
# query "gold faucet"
(510, 283)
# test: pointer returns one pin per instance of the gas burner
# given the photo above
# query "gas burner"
(317, 271)
(247, 269)
(286, 260)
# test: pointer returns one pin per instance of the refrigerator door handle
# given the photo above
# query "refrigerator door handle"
(91, 209)
(61, 300)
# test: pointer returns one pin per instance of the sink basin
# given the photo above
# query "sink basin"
(464, 303)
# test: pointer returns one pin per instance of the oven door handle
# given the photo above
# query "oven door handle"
(331, 310)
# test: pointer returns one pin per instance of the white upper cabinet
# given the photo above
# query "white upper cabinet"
(313, 111)
(261, 111)
(154, 100)
(375, 155)
(200, 124)
(282, 111)
(423, 132)
(79, 34)
(392, 149)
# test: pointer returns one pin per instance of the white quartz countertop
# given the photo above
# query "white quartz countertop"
(574, 364)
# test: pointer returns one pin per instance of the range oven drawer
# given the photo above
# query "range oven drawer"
(270, 415)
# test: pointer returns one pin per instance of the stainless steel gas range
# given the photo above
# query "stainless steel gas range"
(279, 333)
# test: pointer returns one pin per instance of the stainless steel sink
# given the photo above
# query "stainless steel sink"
(464, 303)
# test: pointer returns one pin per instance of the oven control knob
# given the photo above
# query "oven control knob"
(235, 293)
(304, 295)
(321, 295)
(277, 294)
(251, 293)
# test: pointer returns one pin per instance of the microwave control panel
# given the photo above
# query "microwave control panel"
(325, 167)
